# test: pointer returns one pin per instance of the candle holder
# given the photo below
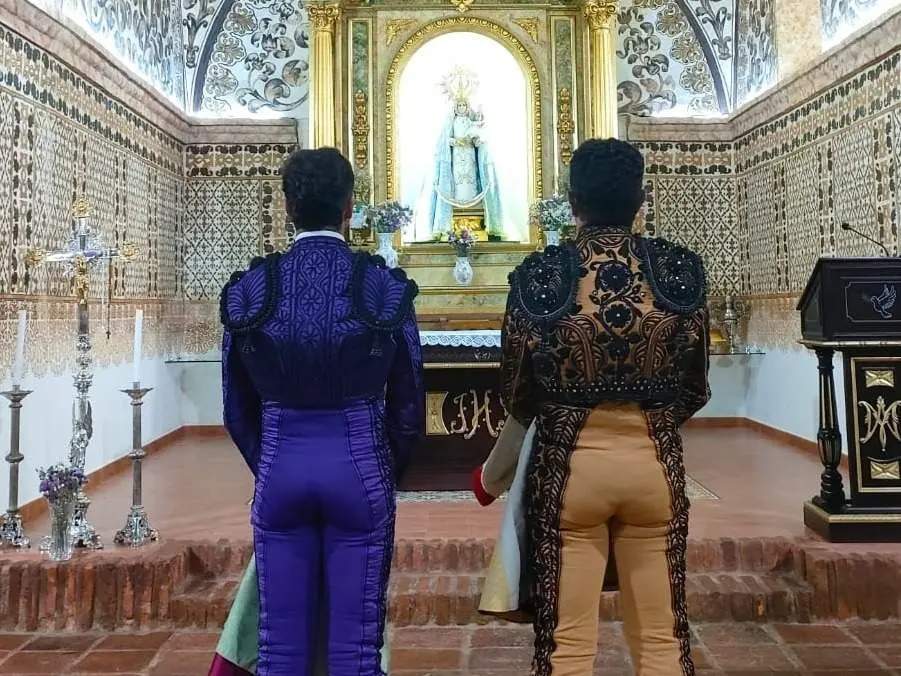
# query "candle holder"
(12, 533)
(137, 531)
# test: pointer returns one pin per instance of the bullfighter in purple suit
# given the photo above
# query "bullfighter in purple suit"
(323, 395)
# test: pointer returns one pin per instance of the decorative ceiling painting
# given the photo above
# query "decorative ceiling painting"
(843, 17)
(144, 35)
(682, 58)
(247, 57)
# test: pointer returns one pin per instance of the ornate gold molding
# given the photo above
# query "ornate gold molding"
(489, 29)
(360, 129)
(462, 5)
(600, 13)
(530, 26)
(396, 26)
(566, 125)
(323, 17)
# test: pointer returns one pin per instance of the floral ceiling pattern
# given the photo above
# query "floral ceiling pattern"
(144, 35)
(690, 57)
(247, 56)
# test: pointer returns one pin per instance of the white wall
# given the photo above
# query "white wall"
(47, 419)
(778, 389)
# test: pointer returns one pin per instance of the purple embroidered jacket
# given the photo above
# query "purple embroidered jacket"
(323, 395)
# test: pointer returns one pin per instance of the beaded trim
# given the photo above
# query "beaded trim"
(675, 274)
(550, 302)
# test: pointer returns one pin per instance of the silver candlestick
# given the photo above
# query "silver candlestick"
(732, 314)
(137, 531)
(11, 532)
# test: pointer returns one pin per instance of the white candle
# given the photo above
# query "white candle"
(139, 330)
(19, 359)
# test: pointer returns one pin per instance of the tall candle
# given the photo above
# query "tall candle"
(139, 331)
(19, 359)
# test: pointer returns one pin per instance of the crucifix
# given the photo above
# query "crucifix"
(84, 251)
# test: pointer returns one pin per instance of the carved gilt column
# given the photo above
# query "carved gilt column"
(323, 123)
(602, 117)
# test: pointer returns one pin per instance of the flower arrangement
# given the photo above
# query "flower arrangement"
(60, 482)
(462, 240)
(553, 214)
(389, 217)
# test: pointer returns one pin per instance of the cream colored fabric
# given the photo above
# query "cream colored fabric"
(616, 482)
(501, 593)
(500, 467)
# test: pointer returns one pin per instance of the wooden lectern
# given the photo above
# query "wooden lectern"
(851, 305)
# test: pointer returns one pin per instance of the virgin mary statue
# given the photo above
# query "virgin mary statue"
(463, 176)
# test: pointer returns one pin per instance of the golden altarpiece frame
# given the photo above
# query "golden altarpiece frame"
(359, 51)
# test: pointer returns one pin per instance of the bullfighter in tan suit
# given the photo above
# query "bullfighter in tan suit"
(605, 352)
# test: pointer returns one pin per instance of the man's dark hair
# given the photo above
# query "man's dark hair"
(318, 185)
(605, 183)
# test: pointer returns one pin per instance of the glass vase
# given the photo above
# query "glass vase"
(552, 237)
(386, 248)
(62, 514)
(463, 272)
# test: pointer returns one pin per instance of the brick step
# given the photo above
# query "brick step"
(432, 556)
(452, 600)
(417, 600)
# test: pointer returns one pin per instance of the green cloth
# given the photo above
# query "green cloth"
(239, 642)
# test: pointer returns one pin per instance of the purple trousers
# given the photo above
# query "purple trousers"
(323, 510)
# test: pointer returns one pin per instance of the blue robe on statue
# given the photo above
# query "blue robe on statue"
(437, 205)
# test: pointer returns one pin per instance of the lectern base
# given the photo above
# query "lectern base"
(854, 524)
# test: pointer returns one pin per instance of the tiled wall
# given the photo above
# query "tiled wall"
(62, 138)
(762, 209)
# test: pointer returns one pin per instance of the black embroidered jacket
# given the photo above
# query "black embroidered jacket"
(609, 317)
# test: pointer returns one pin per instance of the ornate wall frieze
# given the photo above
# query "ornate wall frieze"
(530, 26)
(323, 17)
(566, 125)
(397, 26)
(360, 129)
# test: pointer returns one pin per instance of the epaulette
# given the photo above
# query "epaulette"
(249, 297)
(544, 285)
(381, 297)
(676, 276)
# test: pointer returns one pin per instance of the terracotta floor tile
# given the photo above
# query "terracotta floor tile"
(828, 657)
(152, 641)
(13, 641)
(182, 663)
(733, 634)
(46, 662)
(812, 634)
(750, 658)
(876, 634)
(192, 641)
(114, 661)
(889, 655)
(65, 642)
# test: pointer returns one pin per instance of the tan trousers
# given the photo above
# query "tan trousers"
(617, 486)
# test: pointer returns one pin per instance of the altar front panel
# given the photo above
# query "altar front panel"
(464, 413)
